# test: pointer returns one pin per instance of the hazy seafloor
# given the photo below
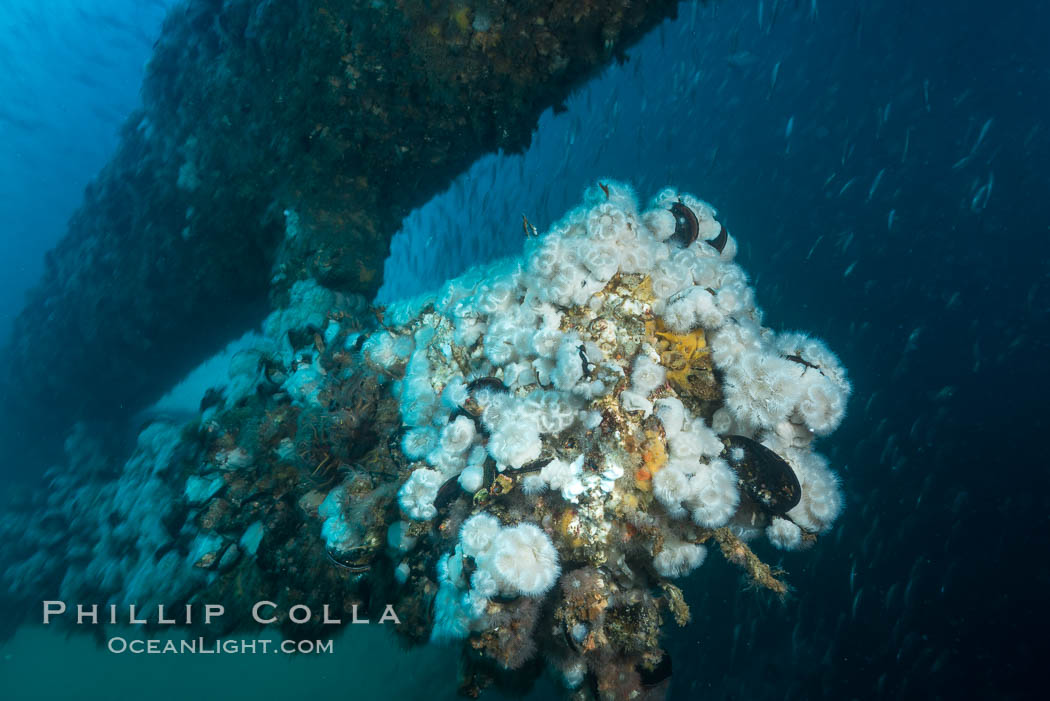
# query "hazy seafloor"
(884, 165)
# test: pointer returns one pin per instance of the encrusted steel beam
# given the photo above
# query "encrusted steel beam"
(349, 113)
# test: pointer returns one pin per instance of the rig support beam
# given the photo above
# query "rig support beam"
(348, 113)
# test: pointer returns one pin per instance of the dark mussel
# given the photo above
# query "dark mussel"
(719, 242)
(764, 476)
(490, 383)
(686, 225)
(357, 560)
(687, 228)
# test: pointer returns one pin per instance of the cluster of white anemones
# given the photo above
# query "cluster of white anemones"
(517, 560)
(694, 481)
(507, 320)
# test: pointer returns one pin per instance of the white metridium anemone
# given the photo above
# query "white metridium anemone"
(815, 352)
(569, 368)
(523, 560)
(405, 346)
(564, 476)
(708, 313)
(591, 419)
(532, 304)
(562, 288)
(734, 299)
(472, 478)
(714, 497)
(547, 257)
(233, 458)
(548, 316)
(665, 198)
(402, 312)
(602, 259)
(532, 484)
(418, 367)
(474, 604)
(495, 296)
(458, 435)
(687, 466)
(519, 374)
(451, 293)
(484, 583)
(397, 537)
(636, 401)
(304, 385)
(455, 393)
(646, 375)
(678, 558)
(338, 535)
(660, 223)
(695, 440)
(418, 401)
(468, 330)
(821, 501)
(417, 442)
(522, 336)
(709, 227)
(477, 455)
(416, 385)
(679, 315)
(722, 421)
(590, 286)
(379, 350)
(515, 443)
(573, 672)
(639, 256)
(784, 534)
(552, 412)
(705, 215)
(691, 307)
(736, 454)
(417, 494)
(761, 389)
(707, 272)
(545, 342)
(669, 279)
(500, 342)
(730, 275)
(671, 413)
(606, 221)
(671, 488)
(478, 533)
(731, 342)
(448, 464)
(496, 407)
(589, 390)
(450, 569)
(822, 405)
(450, 620)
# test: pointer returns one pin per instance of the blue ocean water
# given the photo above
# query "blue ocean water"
(883, 165)
(70, 72)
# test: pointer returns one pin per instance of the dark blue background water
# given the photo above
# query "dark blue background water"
(934, 581)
